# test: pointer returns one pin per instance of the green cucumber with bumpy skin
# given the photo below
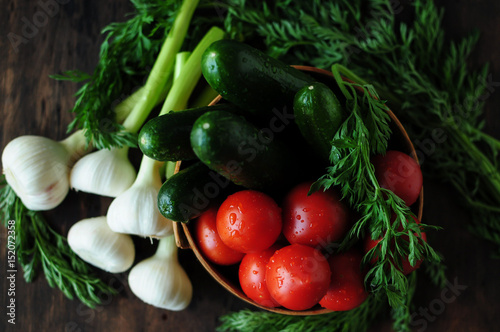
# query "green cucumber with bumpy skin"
(249, 78)
(318, 114)
(235, 148)
(166, 137)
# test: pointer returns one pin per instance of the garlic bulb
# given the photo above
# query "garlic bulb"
(95, 243)
(106, 172)
(37, 168)
(136, 210)
(160, 280)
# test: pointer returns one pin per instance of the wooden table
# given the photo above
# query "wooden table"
(32, 103)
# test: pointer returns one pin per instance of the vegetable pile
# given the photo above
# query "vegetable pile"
(313, 218)
(277, 134)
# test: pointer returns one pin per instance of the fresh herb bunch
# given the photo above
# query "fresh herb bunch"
(423, 76)
(363, 134)
(126, 57)
(38, 244)
(359, 319)
(355, 320)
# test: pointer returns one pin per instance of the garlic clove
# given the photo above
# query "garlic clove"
(136, 212)
(104, 172)
(37, 170)
(160, 280)
(94, 242)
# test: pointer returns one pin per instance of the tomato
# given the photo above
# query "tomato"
(313, 220)
(252, 276)
(347, 289)
(298, 276)
(209, 242)
(249, 221)
(405, 263)
(399, 173)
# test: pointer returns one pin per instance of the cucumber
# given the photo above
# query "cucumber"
(232, 146)
(166, 137)
(319, 115)
(191, 191)
(249, 78)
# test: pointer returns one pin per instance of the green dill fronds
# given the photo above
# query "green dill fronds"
(356, 320)
(363, 134)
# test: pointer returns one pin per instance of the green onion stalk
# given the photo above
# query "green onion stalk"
(135, 211)
(109, 172)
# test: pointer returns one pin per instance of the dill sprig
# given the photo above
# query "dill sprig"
(401, 315)
(356, 320)
(363, 134)
(38, 244)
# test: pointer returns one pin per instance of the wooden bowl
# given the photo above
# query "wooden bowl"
(228, 276)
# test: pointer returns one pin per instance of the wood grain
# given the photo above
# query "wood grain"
(32, 103)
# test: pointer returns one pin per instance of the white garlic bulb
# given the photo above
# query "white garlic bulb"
(106, 172)
(160, 280)
(135, 211)
(37, 168)
(93, 241)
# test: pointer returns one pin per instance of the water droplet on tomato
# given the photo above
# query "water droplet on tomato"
(305, 209)
(232, 218)
(255, 272)
(298, 217)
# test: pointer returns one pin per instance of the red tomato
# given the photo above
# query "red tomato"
(347, 289)
(209, 242)
(406, 266)
(252, 275)
(399, 173)
(249, 221)
(298, 276)
(313, 220)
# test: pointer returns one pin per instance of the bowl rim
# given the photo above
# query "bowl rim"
(185, 240)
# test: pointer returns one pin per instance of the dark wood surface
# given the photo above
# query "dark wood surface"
(32, 103)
